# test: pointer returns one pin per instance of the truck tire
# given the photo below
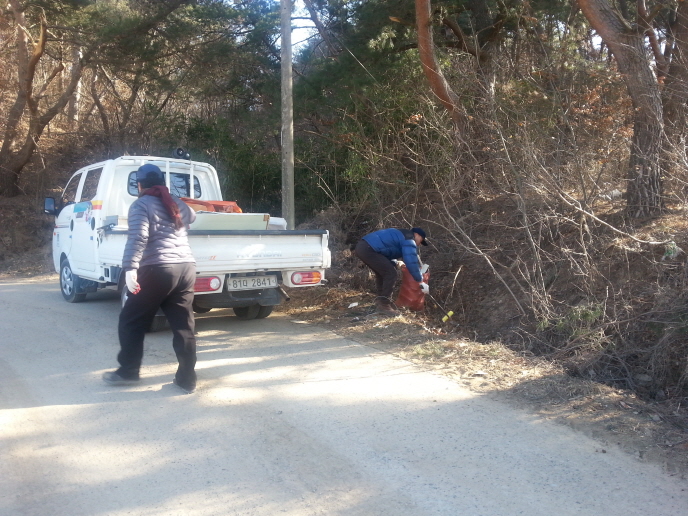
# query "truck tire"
(246, 313)
(200, 309)
(264, 312)
(70, 284)
(159, 321)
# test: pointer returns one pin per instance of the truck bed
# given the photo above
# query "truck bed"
(239, 251)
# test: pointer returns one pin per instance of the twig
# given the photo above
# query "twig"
(487, 259)
(576, 206)
(451, 292)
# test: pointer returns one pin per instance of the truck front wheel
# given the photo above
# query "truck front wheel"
(70, 284)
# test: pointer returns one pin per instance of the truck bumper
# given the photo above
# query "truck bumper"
(239, 298)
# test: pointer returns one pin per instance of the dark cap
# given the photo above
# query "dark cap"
(421, 233)
(149, 172)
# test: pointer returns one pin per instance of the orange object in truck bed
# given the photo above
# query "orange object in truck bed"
(218, 206)
(226, 206)
(197, 204)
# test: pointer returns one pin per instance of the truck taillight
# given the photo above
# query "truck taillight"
(207, 284)
(306, 278)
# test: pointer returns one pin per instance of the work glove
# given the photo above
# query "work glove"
(132, 283)
(424, 288)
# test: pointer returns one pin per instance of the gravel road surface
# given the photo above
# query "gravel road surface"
(288, 419)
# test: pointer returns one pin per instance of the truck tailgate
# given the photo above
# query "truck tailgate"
(250, 250)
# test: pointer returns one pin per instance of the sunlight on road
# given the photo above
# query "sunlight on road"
(287, 419)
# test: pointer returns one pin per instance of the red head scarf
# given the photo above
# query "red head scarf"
(171, 206)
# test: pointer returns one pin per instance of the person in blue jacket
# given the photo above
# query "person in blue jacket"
(378, 249)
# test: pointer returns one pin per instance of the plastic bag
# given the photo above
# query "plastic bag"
(410, 294)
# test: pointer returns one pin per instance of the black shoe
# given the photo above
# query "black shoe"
(187, 390)
(114, 378)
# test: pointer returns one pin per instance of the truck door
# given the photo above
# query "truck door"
(62, 241)
(86, 219)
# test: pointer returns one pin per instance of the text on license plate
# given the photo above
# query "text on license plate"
(251, 282)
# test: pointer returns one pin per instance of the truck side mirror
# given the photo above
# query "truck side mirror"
(49, 206)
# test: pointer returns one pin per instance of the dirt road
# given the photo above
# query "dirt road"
(288, 419)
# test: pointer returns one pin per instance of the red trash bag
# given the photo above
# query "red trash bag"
(410, 294)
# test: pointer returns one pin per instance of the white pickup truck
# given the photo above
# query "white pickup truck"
(242, 261)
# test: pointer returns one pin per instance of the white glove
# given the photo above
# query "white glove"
(132, 284)
(424, 288)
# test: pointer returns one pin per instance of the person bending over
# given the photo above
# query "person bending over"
(378, 249)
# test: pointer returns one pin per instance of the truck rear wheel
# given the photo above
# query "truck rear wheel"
(264, 312)
(200, 309)
(159, 323)
(70, 284)
(246, 313)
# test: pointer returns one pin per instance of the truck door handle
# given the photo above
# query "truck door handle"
(71, 225)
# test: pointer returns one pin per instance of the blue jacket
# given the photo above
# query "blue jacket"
(397, 244)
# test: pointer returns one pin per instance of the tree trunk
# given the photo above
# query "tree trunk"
(644, 187)
(675, 94)
(431, 68)
(75, 100)
(26, 69)
(38, 123)
(102, 112)
(332, 49)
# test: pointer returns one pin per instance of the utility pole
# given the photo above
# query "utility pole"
(287, 117)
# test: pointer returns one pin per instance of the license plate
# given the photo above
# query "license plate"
(251, 282)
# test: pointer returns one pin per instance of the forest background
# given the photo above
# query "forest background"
(541, 144)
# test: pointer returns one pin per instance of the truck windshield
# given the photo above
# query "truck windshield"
(179, 185)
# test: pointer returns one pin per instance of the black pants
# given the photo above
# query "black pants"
(384, 269)
(171, 288)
